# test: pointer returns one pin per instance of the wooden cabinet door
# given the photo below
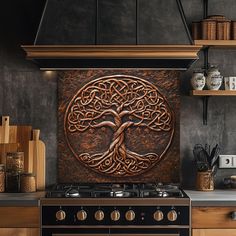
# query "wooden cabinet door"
(213, 218)
(214, 232)
(19, 231)
(20, 217)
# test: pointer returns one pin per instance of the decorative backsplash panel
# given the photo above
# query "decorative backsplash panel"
(118, 126)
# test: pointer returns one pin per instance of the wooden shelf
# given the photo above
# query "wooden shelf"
(205, 94)
(216, 43)
(213, 93)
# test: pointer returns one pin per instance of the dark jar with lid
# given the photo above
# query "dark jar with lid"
(12, 182)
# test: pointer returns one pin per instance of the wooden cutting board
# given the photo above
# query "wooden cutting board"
(37, 159)
(14, 134)
(5, 148)
(4, 130)
(23, 135)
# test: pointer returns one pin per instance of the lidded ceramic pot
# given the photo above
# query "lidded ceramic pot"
(214, 78)
(198, 79)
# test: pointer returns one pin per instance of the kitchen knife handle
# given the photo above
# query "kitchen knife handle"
(233, 215)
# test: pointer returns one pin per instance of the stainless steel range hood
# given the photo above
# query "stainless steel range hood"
(76, 34)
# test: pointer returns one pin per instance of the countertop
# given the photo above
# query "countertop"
(198, 198)
(20, 199)
(212, 198)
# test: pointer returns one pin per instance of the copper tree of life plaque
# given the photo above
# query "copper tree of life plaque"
(118, 103)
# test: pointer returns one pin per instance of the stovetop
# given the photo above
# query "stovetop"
(115, 190)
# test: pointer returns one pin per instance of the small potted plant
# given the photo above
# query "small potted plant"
(206, 162)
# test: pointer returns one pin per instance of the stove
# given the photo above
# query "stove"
(119, 209)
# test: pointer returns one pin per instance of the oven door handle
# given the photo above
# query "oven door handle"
(68, 234)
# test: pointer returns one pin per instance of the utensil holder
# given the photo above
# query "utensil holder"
(205, 181)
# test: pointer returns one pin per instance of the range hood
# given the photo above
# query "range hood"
(77, 34)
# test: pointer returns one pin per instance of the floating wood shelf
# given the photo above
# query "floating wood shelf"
(216, 43)
(213, 93)
(205, 94)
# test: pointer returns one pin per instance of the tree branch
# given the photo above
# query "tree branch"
(103, 124)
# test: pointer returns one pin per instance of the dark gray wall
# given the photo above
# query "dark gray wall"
(29, 96)
(222, 110)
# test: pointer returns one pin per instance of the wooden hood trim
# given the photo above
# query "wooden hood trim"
(113, 52)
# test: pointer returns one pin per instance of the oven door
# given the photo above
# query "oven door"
(123, 231)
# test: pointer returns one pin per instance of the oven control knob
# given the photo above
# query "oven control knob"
(130, 215)
(60, 215)
(158, 215)
(81, 215)
(172, 215)
(115, 215)
(99, 215)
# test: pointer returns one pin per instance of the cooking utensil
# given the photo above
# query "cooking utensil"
(214, 159)
(215, 155)
(205, 159)
(201, 157)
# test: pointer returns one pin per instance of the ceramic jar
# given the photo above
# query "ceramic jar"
(214, 79)
(198, 80)
(27, 183)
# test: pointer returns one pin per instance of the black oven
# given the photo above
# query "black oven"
(69, 217)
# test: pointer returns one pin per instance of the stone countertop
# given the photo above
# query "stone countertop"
(198, 198)
(20, 199)
(212, 198)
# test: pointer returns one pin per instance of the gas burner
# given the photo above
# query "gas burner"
(115, 190)
(156, 194)
(160, 191)
(109, 190)
(72, 193)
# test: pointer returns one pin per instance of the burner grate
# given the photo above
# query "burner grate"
(111, 190)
